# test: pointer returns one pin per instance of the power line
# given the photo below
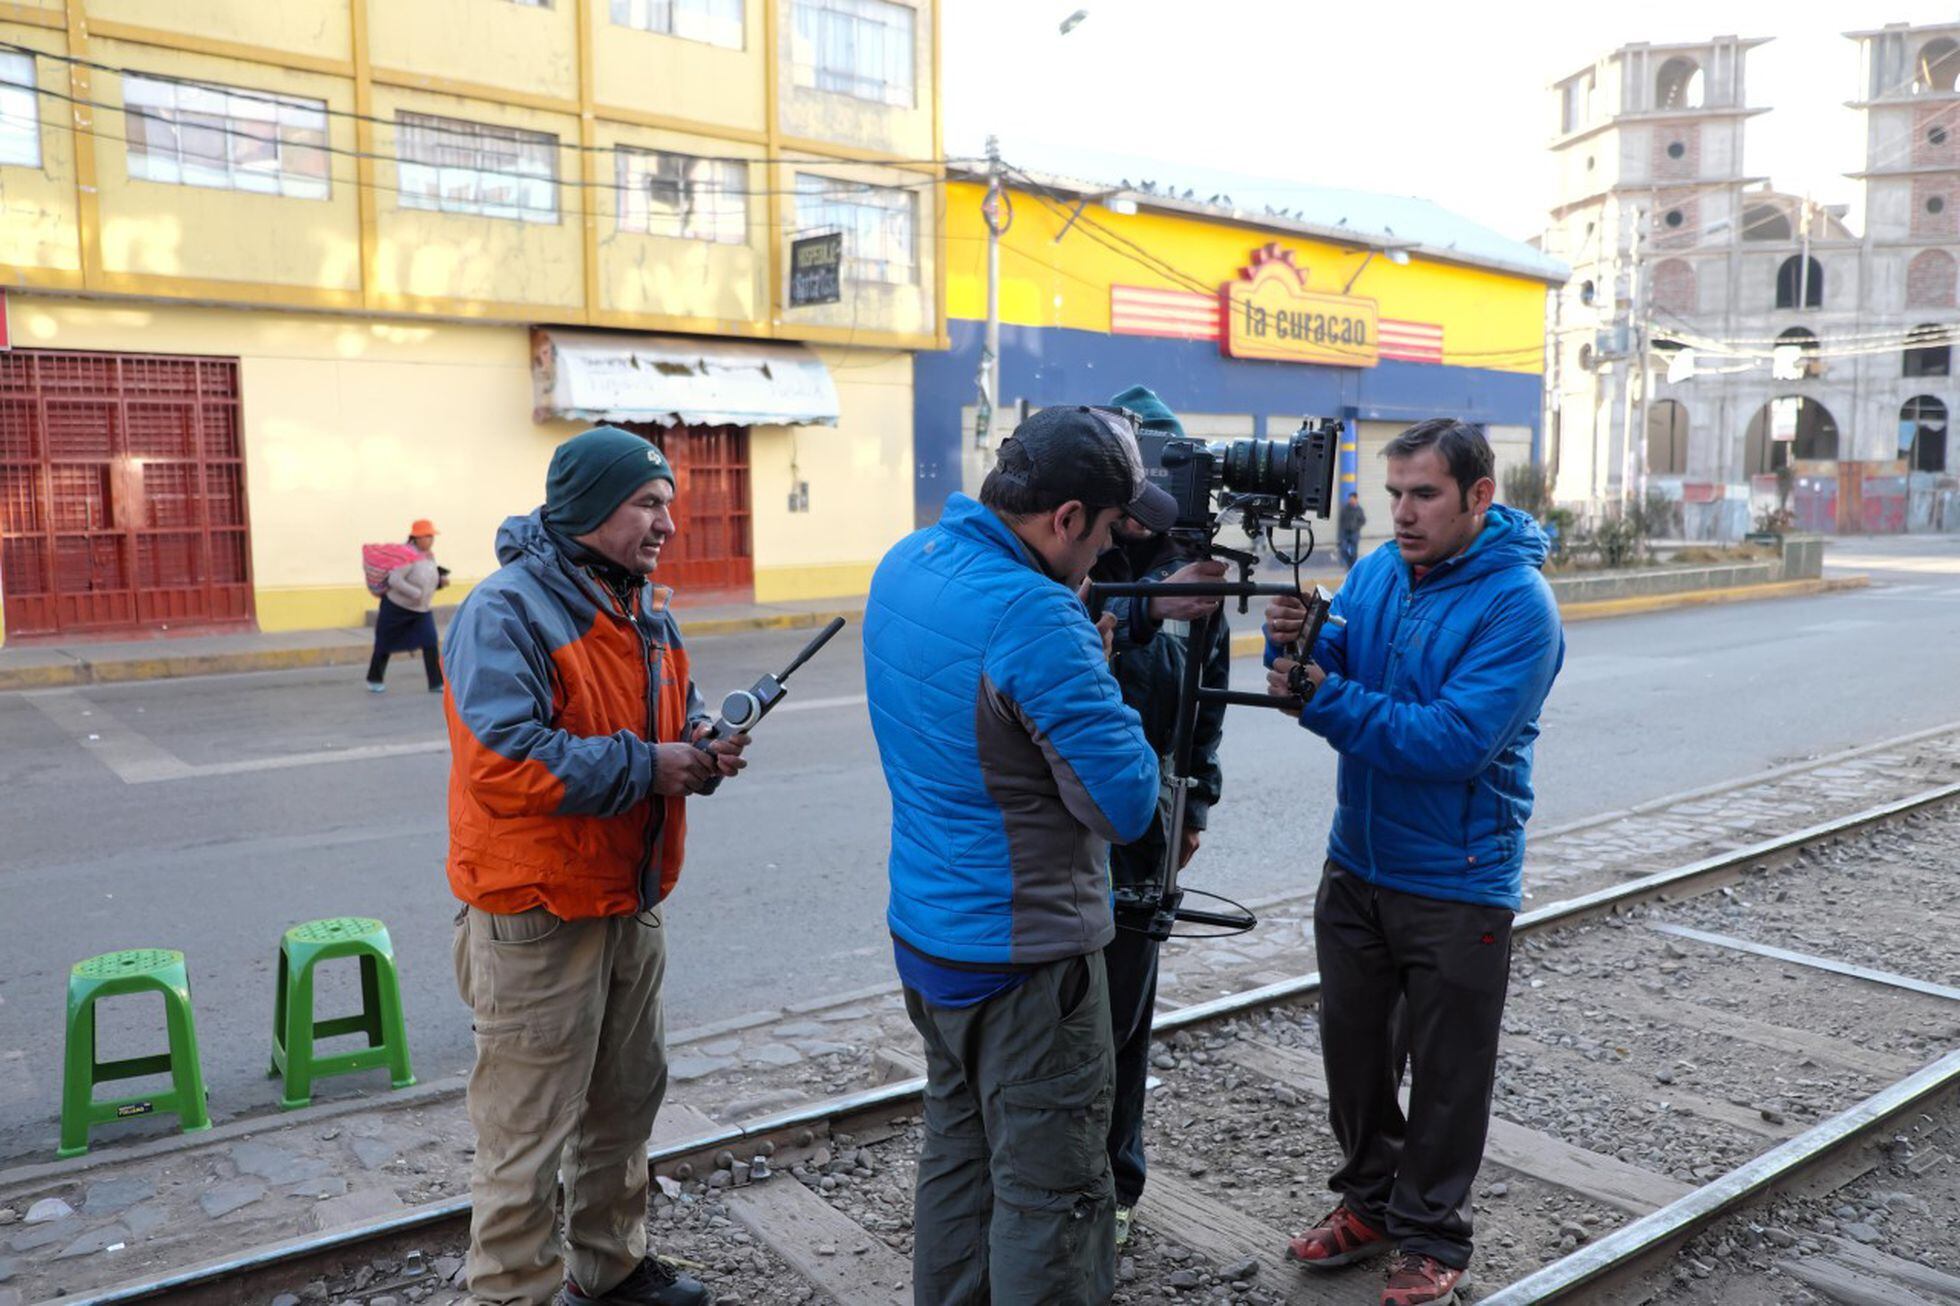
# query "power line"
(838, 187)
(289, 101)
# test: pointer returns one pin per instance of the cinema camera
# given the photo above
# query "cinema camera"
(1268, 486)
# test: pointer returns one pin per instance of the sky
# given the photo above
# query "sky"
(1448, 101)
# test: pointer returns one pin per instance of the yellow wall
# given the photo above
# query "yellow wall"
(1485, 315)
(642, 273)
(425, 254)
(908, 307)
(310, 27)
(79, 221)
(518, 47)
(860, 477)
(37, 205)
(901, 130)
(354, 429)
(647, 72)
(167, 229)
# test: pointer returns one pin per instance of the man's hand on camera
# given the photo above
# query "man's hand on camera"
(1286, 617)
(726, 753)
(1188, 845)
(1279, 682)
(680, 769)
(1189, 607)
(1106, 629)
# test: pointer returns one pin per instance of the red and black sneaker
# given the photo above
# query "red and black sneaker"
(1341, 1238)
(1417, 1280)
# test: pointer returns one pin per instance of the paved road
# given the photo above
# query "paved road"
(209, 814)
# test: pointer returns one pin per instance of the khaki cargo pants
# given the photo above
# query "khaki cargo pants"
(570, 1069)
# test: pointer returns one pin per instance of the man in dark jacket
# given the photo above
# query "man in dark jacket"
(1151, 643)
(1430, 693)
(1012, 761)
(1351, 521)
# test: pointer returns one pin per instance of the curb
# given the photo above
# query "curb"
(78, 671)
(1598, 609)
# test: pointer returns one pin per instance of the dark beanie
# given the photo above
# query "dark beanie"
(1156, 415)
(593, 473)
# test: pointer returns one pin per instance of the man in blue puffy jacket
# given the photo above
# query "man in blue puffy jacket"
(1430, 693)
(1012, 762)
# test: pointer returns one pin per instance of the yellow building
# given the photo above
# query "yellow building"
(281, 278)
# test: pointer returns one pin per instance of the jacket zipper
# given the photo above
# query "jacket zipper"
(656, 805)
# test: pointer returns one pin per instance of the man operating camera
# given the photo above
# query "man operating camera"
(1151, 642)
(1430, 693)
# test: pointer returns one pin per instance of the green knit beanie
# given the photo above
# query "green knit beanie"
(1156, 415)
(593, 473)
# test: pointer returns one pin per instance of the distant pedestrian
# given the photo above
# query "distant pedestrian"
(1352, 520)
(405, 620)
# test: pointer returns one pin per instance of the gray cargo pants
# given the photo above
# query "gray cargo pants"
(1014, 1198)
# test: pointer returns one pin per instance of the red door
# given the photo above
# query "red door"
(712, 554)
(122, 495)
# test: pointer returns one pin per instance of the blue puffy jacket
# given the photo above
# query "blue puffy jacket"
(1432, 698)
(1009, 752)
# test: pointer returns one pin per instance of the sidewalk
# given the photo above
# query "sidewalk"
(53, 666)
(80, 662)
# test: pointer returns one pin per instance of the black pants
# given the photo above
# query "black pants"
(1446, 966)
(1131, 959)
(378, 666)
(1013, 1201)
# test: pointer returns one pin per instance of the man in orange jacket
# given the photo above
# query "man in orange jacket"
(571, 721)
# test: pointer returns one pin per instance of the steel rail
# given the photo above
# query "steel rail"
(908, 1091)
(1651, 1234)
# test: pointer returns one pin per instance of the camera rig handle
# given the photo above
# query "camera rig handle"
(744, 707)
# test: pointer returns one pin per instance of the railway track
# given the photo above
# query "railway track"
(1681, 1053)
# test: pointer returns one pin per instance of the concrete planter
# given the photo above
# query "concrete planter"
(1803, 559)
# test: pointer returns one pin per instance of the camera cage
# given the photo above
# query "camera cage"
(1267, 491)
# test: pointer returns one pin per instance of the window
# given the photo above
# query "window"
(1679, 85)
(1675, 149)
(1667, 438)
(1587, 292)
(1937, 67)
(877, 222)
(532, 4)
(1675, 218)
(1802, 279)
(715, 22)
(1936, 134)
(1935, 203)
(1922, 433)
(20, 118)
(679, 195)
(1765, 222)
(1794, 355)
(189, 134)
(470, 167)
(855, 47)
(1927, 352)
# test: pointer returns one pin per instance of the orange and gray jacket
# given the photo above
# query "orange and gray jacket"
(560, 683)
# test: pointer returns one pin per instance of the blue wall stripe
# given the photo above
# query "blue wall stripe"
(1052, 365)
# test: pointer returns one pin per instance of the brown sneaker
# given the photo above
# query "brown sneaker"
(1341, 1238)
(1416, 1280)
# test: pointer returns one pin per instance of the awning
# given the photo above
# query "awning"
(594, 376)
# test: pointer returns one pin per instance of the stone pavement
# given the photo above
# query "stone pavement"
(133, 1208)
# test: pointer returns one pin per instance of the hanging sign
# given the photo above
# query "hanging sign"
(815, 269)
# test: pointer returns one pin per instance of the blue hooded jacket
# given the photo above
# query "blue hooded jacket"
(1011, 757)
(1432, 699)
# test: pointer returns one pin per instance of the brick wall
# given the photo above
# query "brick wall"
(1935, 192)
(1686, 136)
(1674, 286)
(1930, 279)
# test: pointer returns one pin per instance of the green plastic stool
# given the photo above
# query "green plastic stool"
(294, 1029)
(140, 970)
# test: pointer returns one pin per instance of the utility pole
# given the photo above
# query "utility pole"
(989, 378)
(1642, 358)
(1635, 343)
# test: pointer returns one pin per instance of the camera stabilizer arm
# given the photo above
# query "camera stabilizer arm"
(1156, 908)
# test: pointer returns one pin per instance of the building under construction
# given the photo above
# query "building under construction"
(1768, 358)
